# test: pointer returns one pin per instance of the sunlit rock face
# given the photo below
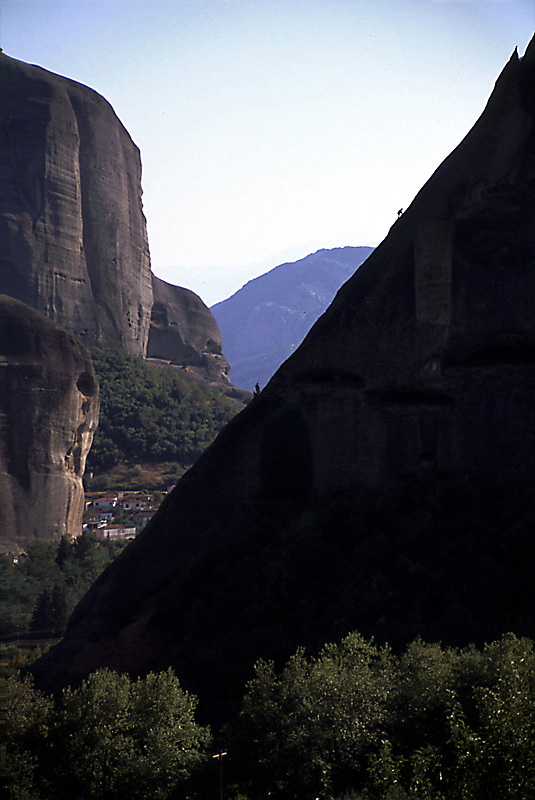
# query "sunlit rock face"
(48, 414)
(184, 331)
(73, 240)
(425, 360)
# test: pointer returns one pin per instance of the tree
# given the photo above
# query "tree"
(117, 738)
(495, 754)
(25, 728)
(308, 731)
(50, 615)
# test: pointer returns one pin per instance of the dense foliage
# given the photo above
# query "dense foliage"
(39, 592)
(152, 414)
(111, 737)
(442, 724)
(355, 721)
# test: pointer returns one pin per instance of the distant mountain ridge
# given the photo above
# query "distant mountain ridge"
(263, 323)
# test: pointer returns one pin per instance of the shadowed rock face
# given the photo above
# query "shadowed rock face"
(48, 414)
(424, 360)
(73, 234)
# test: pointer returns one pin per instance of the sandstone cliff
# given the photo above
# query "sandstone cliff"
(184, 332)
(48, 414)
(73, 239)
(74, 242)
(425, 361)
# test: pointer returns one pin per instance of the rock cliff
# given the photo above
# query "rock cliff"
(48, 414)
(184, 332)
(425, 361)
(74, 242)
(73, 239)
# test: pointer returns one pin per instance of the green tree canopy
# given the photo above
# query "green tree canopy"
(111, 737)
(150, 414)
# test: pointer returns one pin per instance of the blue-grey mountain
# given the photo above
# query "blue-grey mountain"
(268, 318)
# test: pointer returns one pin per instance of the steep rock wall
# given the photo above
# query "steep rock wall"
(72, 231)
(48, 415)
(73, 239)
(184, 331)
(425, 360)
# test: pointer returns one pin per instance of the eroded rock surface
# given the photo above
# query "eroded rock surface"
(183, 331)
(73, 239)
(424, 361)
(72, 231)
(48, 414)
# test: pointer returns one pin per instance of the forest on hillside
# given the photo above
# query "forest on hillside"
(151, 414)
(39, 591)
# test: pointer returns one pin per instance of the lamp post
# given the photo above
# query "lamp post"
(220, 757)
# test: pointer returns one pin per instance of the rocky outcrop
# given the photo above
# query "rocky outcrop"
(73, 239)
(267, 319)
(48, 414)
(74, 242)
(425, 361)
(183, 331)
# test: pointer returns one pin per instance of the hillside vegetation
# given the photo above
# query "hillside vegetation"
(40, 590)
(150, 415)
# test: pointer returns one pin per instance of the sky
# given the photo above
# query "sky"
(269, 129)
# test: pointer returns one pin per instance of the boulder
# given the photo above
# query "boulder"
(48, 414)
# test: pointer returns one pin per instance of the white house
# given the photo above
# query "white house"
(117, 532)
(105, 502)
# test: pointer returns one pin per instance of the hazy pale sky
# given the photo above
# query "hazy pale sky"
(271, 128)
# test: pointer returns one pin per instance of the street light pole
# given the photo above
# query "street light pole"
(220, 757)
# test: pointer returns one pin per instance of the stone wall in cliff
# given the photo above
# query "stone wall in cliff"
(72, 231)
(48, 415)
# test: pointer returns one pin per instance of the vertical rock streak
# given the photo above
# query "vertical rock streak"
(74, 242)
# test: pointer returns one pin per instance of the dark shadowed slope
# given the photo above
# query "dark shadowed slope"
(424, 364)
